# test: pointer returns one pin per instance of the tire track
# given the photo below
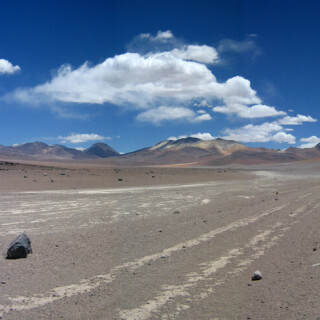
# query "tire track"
(258, 245)
(195, 279)
(86, 285)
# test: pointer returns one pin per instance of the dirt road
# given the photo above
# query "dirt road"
(166, 252)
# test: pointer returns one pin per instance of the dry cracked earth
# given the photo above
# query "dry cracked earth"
(184, 251)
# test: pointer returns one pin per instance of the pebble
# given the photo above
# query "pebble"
(3, 282)
(256, 276)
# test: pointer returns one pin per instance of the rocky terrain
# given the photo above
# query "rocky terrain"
(161, 243)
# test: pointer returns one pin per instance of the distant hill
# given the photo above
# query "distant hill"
(42, 151)
(197, 152)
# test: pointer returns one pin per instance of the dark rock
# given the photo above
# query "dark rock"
(256, 276)
(20, 247)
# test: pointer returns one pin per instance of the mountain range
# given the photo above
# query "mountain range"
(42, 151)
(186, 151)
(199, 152)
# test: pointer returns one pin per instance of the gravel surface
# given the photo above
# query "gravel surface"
(185, 250)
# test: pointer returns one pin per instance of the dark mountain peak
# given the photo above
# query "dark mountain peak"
(101, 150)
(186, 140)
(318, 146)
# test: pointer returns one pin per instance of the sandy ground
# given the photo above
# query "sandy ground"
(65, 176)
(181, 245)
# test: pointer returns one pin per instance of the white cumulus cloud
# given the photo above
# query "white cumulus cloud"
(297, 120)
(203, 54)
(311, 142)
(165, 113)
(250, 112)
(203, 117)
(161, 36)
(202, 104)
(264, 132)
(174, 77)
(166, 83)
(6, 67)
(83, 137)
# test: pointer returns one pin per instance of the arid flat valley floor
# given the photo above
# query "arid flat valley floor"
(161, 243)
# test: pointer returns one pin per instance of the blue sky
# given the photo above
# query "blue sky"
(134, 73)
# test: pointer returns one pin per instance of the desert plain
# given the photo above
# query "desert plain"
(161, 242)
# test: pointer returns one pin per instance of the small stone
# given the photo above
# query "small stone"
(120, 179)
(20, 247)
(256, 276)
(3, 282)
(164, 256)
(176, 212)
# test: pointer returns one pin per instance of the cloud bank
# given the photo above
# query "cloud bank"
(179, 77)
(163, 79)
